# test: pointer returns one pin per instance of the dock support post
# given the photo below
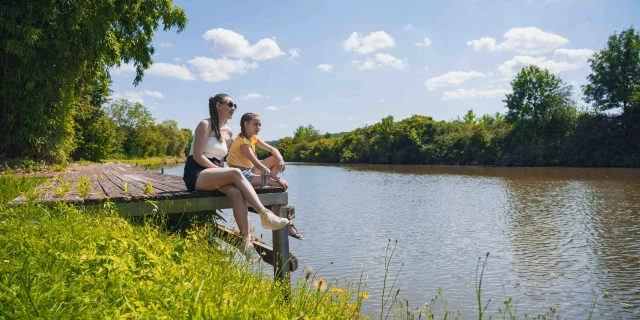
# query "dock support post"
(281, 246)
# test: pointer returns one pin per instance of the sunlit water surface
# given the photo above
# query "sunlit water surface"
(560, 235)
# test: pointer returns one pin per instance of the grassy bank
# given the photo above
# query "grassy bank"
(65, 262)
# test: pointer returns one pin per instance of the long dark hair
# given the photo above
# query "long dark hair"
(247, 117)
(213, 112)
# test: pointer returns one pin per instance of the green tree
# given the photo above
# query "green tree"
(133, 124)
(308, 133)
(93, 130)
(615, 73)
(49, 50)
(469, 117)
(189, 135)
(535, 92)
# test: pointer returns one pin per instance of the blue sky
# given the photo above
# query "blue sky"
(340, 65)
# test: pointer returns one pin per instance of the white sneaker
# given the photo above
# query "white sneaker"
(270, 221)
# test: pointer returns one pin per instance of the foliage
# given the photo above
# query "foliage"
(137, 135)
(52, 50)
(94, 264)
(615, 74)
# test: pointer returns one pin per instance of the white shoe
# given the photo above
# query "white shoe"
(270, 221)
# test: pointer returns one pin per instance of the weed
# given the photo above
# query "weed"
(148, 188)
(62, 190)
(84, 186)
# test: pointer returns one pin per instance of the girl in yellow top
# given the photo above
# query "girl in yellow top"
(242, 154)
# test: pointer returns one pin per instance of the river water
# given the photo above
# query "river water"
(557, 237)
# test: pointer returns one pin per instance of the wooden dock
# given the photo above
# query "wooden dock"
(137, 191)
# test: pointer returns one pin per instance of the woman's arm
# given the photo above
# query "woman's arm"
(265, 146)
(199, 142)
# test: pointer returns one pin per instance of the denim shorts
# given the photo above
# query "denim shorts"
(246, 172)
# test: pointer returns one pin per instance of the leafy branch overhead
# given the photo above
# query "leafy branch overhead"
(55, 53)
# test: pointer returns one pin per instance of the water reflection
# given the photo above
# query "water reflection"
(562, 234)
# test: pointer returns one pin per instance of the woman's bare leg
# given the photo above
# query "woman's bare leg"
(240, 212)
(213, 178)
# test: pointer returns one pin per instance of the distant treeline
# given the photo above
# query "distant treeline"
(543, 125)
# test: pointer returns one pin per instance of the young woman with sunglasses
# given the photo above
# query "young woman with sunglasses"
(205, 171)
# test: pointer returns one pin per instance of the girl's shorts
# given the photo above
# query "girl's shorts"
(192, 170)
(246, 172)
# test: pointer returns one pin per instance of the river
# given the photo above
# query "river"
(557, 237)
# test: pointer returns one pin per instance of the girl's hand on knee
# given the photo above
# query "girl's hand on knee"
(283, 183)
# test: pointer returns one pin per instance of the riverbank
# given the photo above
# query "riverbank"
(94, 264)
(38, 169)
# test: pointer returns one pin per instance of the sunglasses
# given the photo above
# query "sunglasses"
(230, 104)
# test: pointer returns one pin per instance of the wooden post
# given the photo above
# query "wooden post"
(281, 246)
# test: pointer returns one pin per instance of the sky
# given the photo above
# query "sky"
(340, 65)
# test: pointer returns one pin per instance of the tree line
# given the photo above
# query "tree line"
(55, 58)
(542, 126)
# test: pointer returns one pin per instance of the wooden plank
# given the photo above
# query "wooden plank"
(112, 190)
(169, 206)
(134, 188)
(265, 252)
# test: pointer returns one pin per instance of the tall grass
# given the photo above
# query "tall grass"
(68, 262)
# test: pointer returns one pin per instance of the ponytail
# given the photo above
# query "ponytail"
(213, 112)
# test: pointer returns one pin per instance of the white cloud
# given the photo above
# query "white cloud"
(252, 96)
(408, 26)
(578, 56)
(389, 60)
(294, 53)
(215, 70)
(271, 108)
(165, 44)
(463, 94)
(425, 43)
(484, 44)
(325, 67)
(123, 69)
(297, 98)
(530, 40)
(371, 43)
(154, 94)
(451, 78)
(383, 100)
(177, 59)
(231, 44)
(512, 67)
(160, 69)
(170, 70)
(381, 60)
(369, 64)
(138, 96)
